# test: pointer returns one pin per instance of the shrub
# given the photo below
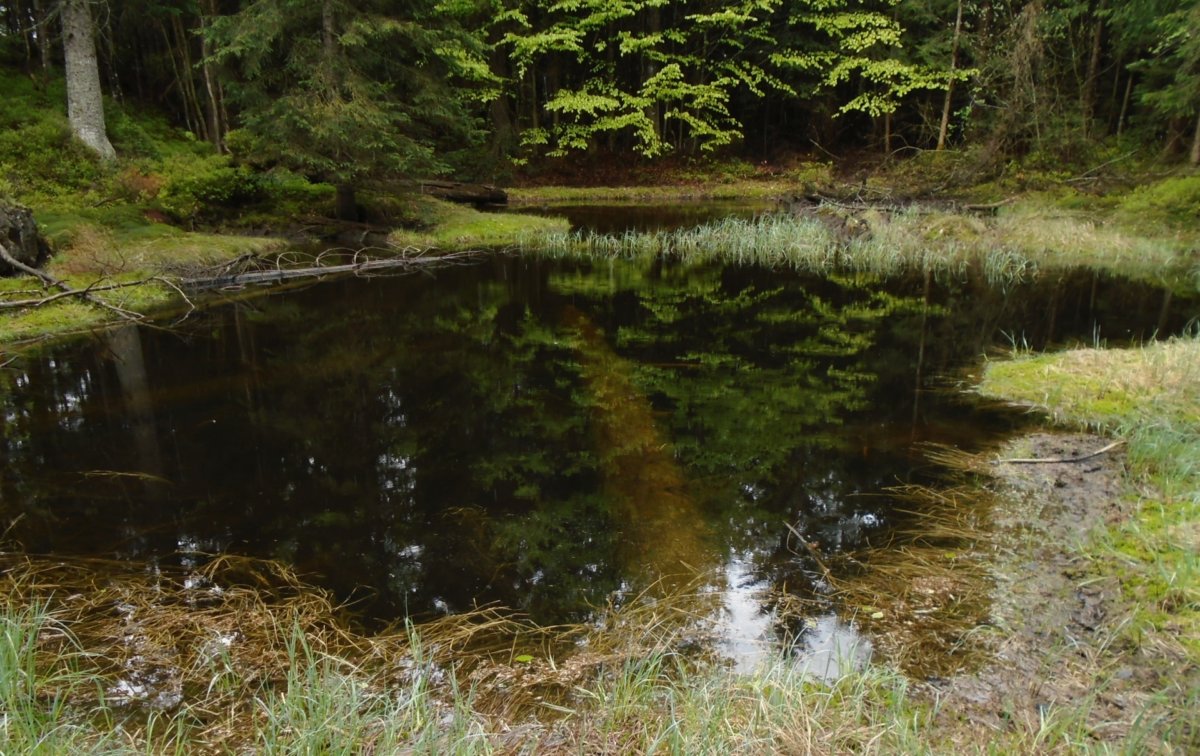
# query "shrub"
(1174, 201)
(43, 157)
(203, 187)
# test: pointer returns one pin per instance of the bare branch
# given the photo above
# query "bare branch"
(1058, 460)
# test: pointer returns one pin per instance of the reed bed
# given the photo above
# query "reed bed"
(1010, 248)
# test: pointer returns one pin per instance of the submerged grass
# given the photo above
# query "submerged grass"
(242, 657)
(143, 663)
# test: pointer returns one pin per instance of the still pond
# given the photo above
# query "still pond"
(550, 436)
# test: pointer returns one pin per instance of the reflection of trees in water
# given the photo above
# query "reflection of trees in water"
(429, 444)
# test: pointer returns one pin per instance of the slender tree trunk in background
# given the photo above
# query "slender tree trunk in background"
(551, 84)
(188, 79)
(887, 134)
(85, 107)
(650, 69)
(216, 130)
(327, 32)
(1088, 104)
(1196, 143)
(43, 34)
(1176, 133)
(534, 109)
(500, 108)
(18, 23)
(1125, 105)
(944, 128)
(108, 59)
(346, 207)
(185, 108)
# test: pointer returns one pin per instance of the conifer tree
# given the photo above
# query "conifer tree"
(347, 91)
(85, 106)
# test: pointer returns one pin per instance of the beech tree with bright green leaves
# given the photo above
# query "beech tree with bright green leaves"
(659, 74)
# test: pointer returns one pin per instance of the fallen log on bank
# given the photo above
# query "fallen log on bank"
(226, 278)
(470, 194)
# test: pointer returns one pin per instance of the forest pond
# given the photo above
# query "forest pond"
(546, 435)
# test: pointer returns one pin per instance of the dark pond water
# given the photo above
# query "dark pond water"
(540, 434)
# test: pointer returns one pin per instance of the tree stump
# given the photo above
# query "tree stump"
(20, 237)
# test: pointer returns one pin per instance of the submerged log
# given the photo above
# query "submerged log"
(20, 239)
(471, 194)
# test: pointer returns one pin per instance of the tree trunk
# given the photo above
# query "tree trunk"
(188, 80)
(85, 108)
(43, 34)
(503, 131)
(1125, 105)
(17, 21)
(216, 130)
(185, 105)
(328, 33)
(1196, 143)
(347, 206)
(1088, 104)
(944, 128)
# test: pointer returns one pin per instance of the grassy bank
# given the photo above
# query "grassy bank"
(172, 207)
(1150, 397)
(442, 225)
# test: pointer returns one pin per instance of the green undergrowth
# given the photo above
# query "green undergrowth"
(1149, 396)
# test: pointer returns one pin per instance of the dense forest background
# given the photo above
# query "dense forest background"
(346, 91)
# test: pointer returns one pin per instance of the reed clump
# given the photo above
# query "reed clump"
(1011, 247)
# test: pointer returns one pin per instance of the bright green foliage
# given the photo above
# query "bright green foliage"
(658, 73)
(840, 42)
(1173, 202)
(198, 184)
(669, 74)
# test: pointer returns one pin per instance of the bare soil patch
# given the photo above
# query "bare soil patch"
(1057, 648)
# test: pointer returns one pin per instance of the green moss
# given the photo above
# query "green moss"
(443, 225)
(1174, 202)
(1151, 397)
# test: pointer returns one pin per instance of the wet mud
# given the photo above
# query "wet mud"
(1056, 619)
